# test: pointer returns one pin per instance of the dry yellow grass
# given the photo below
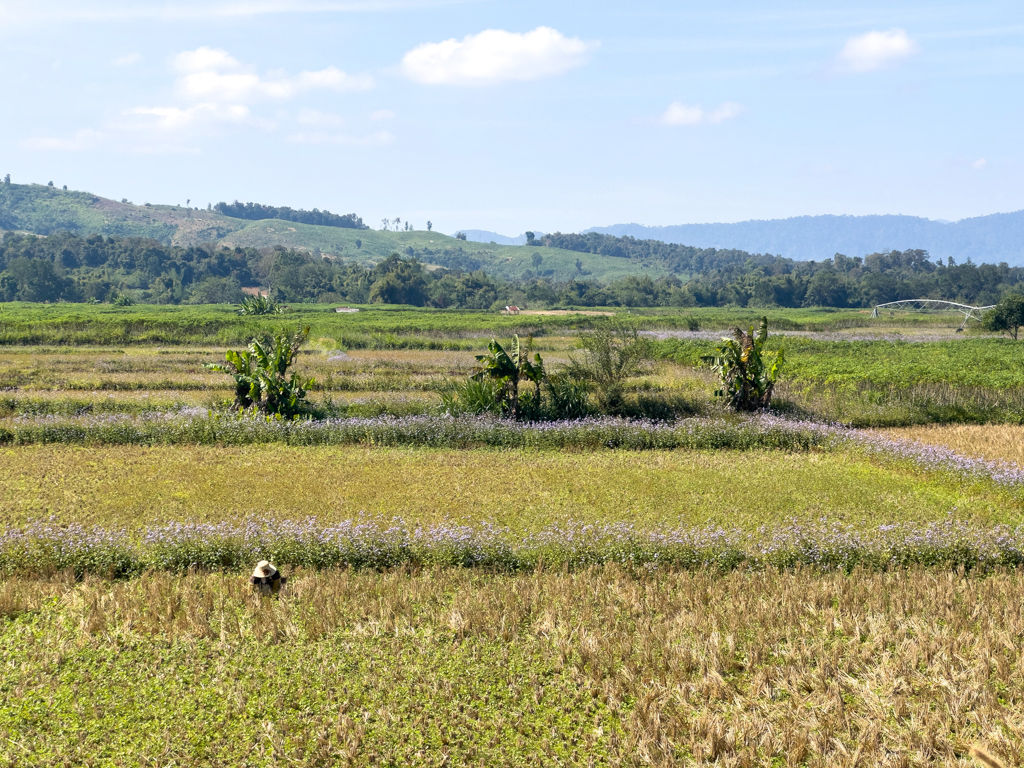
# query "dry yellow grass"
(457, 668)
(997, 442)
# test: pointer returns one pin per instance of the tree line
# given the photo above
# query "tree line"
(68, 267)
(257, 212)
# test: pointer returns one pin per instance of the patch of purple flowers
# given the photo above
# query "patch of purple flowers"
(379, 544)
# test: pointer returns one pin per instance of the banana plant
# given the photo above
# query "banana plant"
(507, 369)
(746, 370)
(259, 305)
(261, 375)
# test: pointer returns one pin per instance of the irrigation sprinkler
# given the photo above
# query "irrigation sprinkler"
(934, 305)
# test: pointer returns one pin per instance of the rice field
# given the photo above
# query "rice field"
(454, 667)
(777, 591)
(132, 486)
(996, 442)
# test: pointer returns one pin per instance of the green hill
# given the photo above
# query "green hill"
(46, 210)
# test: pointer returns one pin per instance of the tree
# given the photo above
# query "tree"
(460, 235)
(398, 281)
(826, 289)
(530, 238)
(260, 374)
(507, 369)
(430, 226)
(1007, 316)
(536, 259)
(28, 279)
(742, 365)
(7, 179)
(217, 290)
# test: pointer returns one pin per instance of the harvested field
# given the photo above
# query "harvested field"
(456, 668)
(996, 442)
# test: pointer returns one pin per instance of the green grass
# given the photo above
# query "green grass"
(377, 326)
(996, 363)
(386, 327)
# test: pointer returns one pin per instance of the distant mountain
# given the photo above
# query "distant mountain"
(483, 236)
(995, 238)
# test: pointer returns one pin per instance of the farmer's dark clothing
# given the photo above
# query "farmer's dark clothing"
(268, 585)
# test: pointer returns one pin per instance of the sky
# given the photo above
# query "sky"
(528, 115)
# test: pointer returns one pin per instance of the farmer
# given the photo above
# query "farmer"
(266, 580)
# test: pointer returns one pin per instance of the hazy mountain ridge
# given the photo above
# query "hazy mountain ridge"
(993, 238)
(486, 236)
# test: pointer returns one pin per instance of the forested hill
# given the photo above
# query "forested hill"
(95, 248)
(994, 238)
(49, 210)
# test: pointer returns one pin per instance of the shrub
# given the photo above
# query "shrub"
(610, 355)
(568, 397)
(474, 396)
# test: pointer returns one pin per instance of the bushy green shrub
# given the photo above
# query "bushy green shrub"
(472, 397)
(609, 355)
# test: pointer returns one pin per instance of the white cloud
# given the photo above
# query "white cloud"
(876, 50)
(315, 117)
(382, 114)
(495, 56)
(683, 114)
(177, 118)
(378, 139)
(211, 74)
(127, 60)
(204, 59)
(980, 163)
(83, 139)
(215, 93)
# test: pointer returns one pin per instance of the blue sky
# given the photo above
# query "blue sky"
(526, 115)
